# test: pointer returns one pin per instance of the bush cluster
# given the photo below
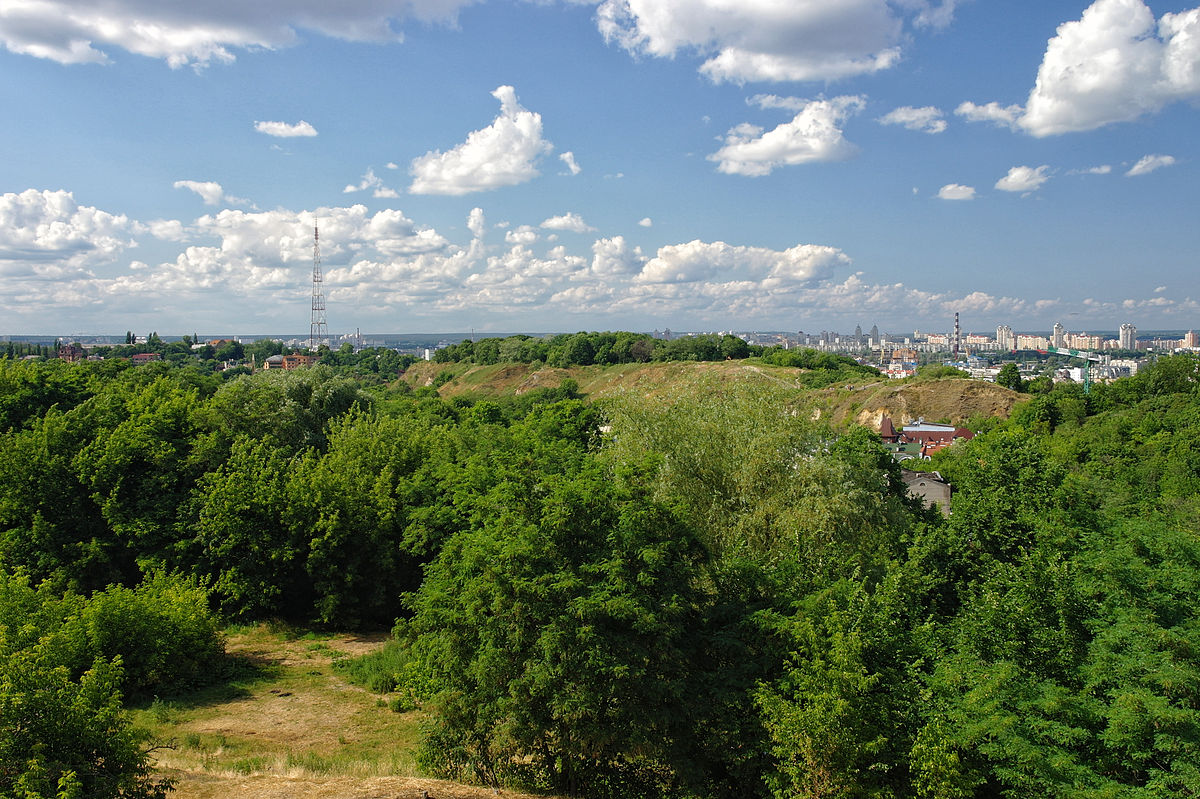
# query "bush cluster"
(66, 661)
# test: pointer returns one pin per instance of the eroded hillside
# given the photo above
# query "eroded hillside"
(951, 400)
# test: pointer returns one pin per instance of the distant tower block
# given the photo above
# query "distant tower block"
(957, 334)
(1128, 340)
(318, 332)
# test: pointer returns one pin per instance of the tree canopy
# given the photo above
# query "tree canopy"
(703, 593)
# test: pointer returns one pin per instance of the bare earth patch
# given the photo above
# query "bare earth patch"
(286, 787)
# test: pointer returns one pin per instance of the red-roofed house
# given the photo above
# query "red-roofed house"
(930, 437)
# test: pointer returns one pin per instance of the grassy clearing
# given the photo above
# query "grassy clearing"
(284, 712)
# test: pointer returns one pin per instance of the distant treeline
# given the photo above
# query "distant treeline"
(23, 349)
(706, 594)
(562, 350)
(588, 349)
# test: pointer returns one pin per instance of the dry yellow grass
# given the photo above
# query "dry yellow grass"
(593, 381)
(291, 727)
(269, 786)
(864, 403)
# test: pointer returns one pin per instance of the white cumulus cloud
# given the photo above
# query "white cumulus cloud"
(373, 182)
(646, 222)
(1148, 163)
(956, 191)
(699, 261)
(569, 221)
(503, 154)
(522, 235)
(926, 119)
(261, 253)
(769, 101)
(285, 130)
(568, 158)
(1114, 64)
(1023, 179)
(73, 32)
(1003, 115)
(769, 40)
(476, 222)
(614, 256)
(813, 135)
(43, 232)
(211, 192)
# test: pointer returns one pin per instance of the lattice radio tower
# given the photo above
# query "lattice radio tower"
(318, 331)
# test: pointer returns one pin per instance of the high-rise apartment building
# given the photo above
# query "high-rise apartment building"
(1025, 342)
(1005, 340)
(1082, 341)
(1128, 337)
(1059, 336)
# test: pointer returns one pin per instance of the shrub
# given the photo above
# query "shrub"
(385, 671)
(163, 631)
(68, 739)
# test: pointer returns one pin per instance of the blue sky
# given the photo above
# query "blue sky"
(536, 166)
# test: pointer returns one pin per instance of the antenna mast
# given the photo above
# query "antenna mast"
(318, 330)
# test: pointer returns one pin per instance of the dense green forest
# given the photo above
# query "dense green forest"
(710, 595)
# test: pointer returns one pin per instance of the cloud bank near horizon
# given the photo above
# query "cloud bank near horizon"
(57, 254)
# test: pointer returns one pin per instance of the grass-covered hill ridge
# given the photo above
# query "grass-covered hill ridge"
(865, 403)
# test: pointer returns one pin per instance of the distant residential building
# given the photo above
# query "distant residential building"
(920, 439)
(71, 353)
(930, 487)
(1191, 339)
(933, 437)
(1005, 340)
(289, 362)
(1058, 336)
(898, 370)
(1128, 337)
(1025, 342)
(1082, 341)
(145, 357)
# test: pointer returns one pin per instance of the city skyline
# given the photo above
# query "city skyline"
(501, 166)
(1057, 335)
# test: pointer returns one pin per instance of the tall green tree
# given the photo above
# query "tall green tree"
(558, 635)
(1010, 377)
(240, 515)
(349, 510)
